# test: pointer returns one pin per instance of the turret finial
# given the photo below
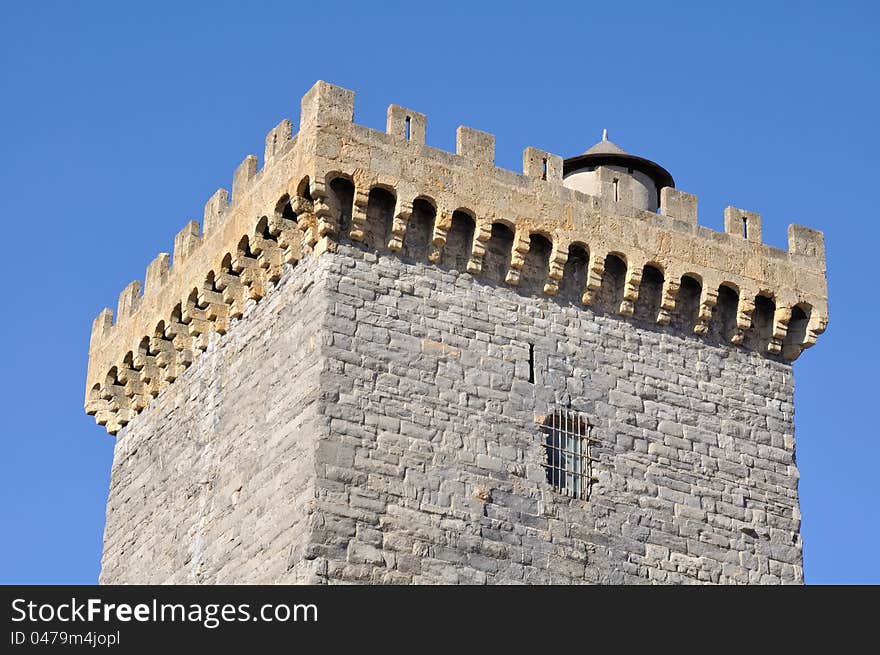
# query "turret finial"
(604, 135)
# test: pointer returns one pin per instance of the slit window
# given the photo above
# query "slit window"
(616, 185)
(544, 168)
(745, 227)
(567, 458)
(532, 363)
(407, 127)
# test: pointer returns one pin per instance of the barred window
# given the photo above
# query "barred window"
(567, 460)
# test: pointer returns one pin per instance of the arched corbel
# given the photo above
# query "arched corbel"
(326, 216)
(595, 271)
(130, 379)
(359, 210)
(402, 213)
(305, 219)
(558, 258)
(630, 288)
(708, 300)
(815, 326)
(442, 225)
(745, 308)
(517, 256)
(482, 234)
(668, 298)
(781, 318)
(145, 363)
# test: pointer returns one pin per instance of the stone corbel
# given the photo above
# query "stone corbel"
(482, 234)
(517, 257)
(269, 257)
(815, 326)
(150, 377)
(305, 219)
(402, 213)
(438, 240)
(744, 310)
(671, 286)
(708, 300)
(251, 274)
(326, 217)
(595, 271)
(558, 258)
(283, 230)
(630, 289)
(233, 293)
(359, 213)
(781, 317)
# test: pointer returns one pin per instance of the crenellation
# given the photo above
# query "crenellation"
(157, 273)
(806, 243)
(244, 173)
(277, 141)
(215, 207)
(477, 146)
(542, 165)
(743, 224)
(129, 300)
(406, 124)
(101, 325)
(678, 205)
(325, 104)
(291, 210)
(186, 242)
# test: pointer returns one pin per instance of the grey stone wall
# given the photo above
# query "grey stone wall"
(212, 482)
(372, 420)
(426, 386)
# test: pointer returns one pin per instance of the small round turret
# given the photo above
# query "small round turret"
(640, 178)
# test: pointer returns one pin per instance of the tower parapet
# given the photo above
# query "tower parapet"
(335, 180)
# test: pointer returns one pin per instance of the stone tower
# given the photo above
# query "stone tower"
(380, 362)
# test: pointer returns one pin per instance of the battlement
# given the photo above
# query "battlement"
(388, 190)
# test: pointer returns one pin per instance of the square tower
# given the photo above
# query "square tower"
(380, 362)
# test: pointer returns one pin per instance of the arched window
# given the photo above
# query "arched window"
(567, 461)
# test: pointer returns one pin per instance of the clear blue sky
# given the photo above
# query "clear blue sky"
(118, 120)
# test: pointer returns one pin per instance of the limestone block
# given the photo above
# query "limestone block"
(325, 104)
(746, 225)
(185, 242)
(214, 209)
(406, 124)
(678, 204)
(276, 140)
(157, 273)
(542, 165)
(243, 175)
(475, 145)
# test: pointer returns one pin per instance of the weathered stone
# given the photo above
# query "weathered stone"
(368, 416)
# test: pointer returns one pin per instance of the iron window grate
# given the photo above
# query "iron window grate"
(567, 453)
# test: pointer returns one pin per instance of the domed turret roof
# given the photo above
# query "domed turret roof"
(608, 153)
(605, 147)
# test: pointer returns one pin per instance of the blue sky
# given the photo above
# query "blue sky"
(118, 121)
